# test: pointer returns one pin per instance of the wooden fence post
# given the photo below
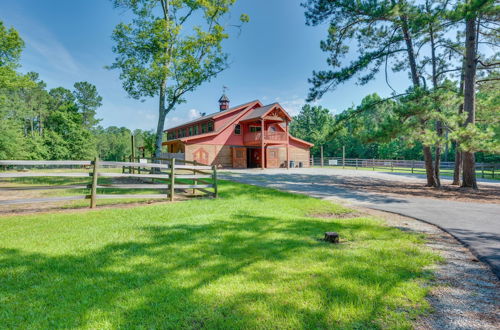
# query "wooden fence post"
(93, 191)
(214, 178)
(482, 170)
(172, 179)
(356, 163)
(373, 163)
(195, 182)
(412, 165)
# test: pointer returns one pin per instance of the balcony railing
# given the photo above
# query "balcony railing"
(253, 137)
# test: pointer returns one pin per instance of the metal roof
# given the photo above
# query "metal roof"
(258, 112)
(224, 98)
(211, 115)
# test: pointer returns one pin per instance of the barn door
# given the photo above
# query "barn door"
(239, 157)
(201, 156)
(272, 158)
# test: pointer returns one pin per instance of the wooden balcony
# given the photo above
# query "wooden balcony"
(254, 138)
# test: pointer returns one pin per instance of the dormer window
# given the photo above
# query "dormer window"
(210, 126)
(237, 129)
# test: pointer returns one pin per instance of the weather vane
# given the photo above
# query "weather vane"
(224, 89)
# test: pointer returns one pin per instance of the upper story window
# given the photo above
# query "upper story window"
(210, 126)
(190, 130)
(255, 129)
(195, 130)
(204, 128)
(237, 129)
(184, 132)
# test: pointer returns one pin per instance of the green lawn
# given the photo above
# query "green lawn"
(252, 259)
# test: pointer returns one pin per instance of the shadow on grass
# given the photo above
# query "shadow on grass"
(222, 274)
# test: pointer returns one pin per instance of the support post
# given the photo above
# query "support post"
(194, 180)
(412, 165)
(93, 191)
(321, 151)
(214, 178)
(356, 163)
(262, 153)
(287, 147)
(172, 179)
(482, 170)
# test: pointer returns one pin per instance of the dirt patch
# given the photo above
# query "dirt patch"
(488, 193)
(348, 215)
(464, 291)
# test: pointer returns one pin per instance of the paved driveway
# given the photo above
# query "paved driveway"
(476, 225)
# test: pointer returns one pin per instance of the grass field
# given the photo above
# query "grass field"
(251, 259)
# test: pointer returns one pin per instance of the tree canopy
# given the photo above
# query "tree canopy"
(169, 49)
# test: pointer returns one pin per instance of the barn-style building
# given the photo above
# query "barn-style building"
(245, 136)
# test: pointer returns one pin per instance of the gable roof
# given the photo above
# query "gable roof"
(214, 115)
(247, 111)
(263, 111)
(228, 123)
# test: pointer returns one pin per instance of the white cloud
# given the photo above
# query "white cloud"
(193, 114)
(48, 47)
(293, 105)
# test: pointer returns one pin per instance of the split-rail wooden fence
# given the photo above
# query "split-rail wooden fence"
(483, 170)
(166, 174)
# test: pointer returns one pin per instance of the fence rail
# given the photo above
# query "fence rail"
(168, 175)
(483, 170)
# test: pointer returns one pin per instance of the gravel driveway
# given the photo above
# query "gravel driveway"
(473, 219)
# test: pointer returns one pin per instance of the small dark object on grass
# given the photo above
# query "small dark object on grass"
(332, 237)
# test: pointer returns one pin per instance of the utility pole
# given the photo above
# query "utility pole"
(132, 141)
(321, 149)
(343, 156)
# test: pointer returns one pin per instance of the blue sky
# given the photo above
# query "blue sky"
(271, 59)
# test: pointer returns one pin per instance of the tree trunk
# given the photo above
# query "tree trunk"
(439, 124)
(458, 165)
(429, 168)
(469, 164)
(162, 113)
(458, 153)
(40, 125)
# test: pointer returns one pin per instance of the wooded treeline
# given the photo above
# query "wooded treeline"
(57, 123)
(449, 50)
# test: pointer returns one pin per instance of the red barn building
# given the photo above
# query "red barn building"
(245, 136)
